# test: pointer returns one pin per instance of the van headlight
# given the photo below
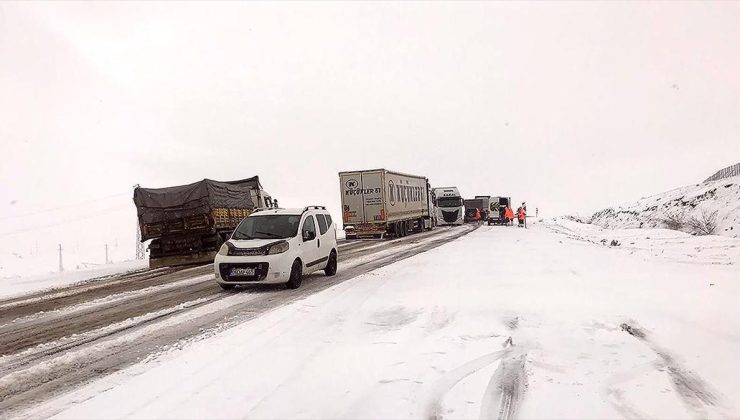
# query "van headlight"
(278, 248)
(224, 250)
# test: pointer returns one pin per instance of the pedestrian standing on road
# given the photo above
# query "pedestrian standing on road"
(477, 215)
(509, 215)
(521, 215)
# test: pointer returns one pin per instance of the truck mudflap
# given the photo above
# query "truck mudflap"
(190, 259)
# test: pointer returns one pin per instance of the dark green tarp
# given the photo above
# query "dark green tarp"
(154, 205)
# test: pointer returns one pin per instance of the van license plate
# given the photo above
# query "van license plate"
(242, 271)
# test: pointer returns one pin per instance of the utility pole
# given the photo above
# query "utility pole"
(61, 267)
(140, 251)
(106, 254)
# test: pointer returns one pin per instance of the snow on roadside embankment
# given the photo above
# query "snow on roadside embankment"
(682, 205)
(665, 244)
(18, 285)
(504, 322)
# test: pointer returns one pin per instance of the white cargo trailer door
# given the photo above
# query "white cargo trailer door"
(372, 193)
(353, 209)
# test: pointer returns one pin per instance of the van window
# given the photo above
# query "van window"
(328, 220)
(322, 223)
(309, 226)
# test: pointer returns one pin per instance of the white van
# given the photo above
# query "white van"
(278, 246)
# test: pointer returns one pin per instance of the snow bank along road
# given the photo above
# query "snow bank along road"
(50, 341)
(502, 323)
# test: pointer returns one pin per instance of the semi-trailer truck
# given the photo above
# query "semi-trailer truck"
(187, 224)
(450, 207)
(377, 203)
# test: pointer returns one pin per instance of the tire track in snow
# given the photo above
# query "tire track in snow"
(451, 378)
(695, 393)
(506, 388)
(53, 299)
(508, 383)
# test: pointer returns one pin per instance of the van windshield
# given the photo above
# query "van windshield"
(277, 226)
(449, 202)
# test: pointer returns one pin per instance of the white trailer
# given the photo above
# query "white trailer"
(378, 202)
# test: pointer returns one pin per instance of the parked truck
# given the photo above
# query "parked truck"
(497, 207)
(378, 203)
(473, 205)
(187, 224)
(481, 203)
(450, 206)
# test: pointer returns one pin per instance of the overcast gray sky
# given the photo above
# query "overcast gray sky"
(571, 106)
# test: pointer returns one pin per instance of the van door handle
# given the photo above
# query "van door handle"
(318, 243)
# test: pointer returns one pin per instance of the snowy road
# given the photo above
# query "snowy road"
(502, 323)
(50, 342)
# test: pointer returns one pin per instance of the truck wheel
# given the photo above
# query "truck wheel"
(331, 266)
(404, 229)
(227, 286)
(296, 275)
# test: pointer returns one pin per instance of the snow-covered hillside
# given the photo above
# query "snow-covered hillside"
(677, 208)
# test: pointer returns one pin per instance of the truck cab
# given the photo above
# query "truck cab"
(450, 206)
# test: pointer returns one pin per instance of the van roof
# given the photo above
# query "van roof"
(290, 212)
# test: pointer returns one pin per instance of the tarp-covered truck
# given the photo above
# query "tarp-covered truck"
(188, 223)
(472, 205)
(378, 202)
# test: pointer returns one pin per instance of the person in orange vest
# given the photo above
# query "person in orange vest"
(509, 215)
(477, 215)
(521, 215)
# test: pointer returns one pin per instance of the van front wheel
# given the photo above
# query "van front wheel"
(296, 275)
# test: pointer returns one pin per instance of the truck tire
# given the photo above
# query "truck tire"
(227, 286)
(296, 275)
(331, 265)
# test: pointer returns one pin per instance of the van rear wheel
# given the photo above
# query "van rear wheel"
(296, 275)
(331, 265)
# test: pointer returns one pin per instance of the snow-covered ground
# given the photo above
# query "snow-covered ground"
(722, 196)
(16, 285)
(546, 322)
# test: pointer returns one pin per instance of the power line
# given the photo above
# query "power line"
(81, 203)
(63, 222)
